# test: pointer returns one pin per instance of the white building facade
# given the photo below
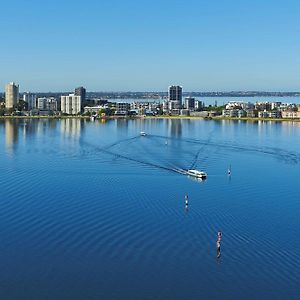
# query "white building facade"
(47, 103)
(71, 104)
(30, 99)
(11, 94)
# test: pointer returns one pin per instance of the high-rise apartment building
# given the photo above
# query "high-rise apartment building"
(81, 91)
(11, 95)
(189, 103)
(174, 98)
(175, 93)
(30, 99)
(47, 103)
(71, 104)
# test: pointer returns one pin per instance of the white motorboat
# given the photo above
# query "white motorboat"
(196, 173)
(143, 133)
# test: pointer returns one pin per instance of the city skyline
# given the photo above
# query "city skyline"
(129, 45)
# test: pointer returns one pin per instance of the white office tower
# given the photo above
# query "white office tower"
(30, 99)
(11, 95)
(71, 104)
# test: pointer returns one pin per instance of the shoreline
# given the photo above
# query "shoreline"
(218, 118)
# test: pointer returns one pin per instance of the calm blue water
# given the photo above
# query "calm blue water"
(92, 210)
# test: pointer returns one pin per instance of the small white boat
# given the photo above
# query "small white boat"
(143, 133)
(196, 173)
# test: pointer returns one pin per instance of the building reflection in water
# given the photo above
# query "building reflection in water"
(11, 136)
(175, 127)
(71, 128)
(122, 125)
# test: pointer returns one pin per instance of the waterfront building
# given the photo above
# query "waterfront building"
(174, 107)
(288, 107)
(275, 114)
(291, 114)
(251, 113)
(269, 114)
(198, 105)
(175, 93)
(184, 112)
(41, 103)
(94, 109)
(239, 105)
(263, 114)
(145, 108)
(122, 108)
(275, 105)
(189, 103)
(230, 113)
(30, 99)
(241, 113)
(173, 103)
(165, 106)
(234, 113)
(175, 97)
(47, 104)
(11, 94)
(263, 106)
(51, 104)
(70, 104)
(202, 114)
(81, 91)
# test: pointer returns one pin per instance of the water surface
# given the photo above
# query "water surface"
(92, 210)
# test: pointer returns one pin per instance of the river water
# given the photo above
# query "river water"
(93, 210)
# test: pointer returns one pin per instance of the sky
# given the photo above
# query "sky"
(147, 45)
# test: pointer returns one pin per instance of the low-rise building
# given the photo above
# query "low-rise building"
(263, 106)
(269, 114)
(251, 113)
(94, 109)
(275, 105)
(241, 113)
(184, 112)
(203, 113)
(122, 108)
(144, 108)
(239, 105)
(263, 114)
(291, 114)
(230, 113)
(275, 114)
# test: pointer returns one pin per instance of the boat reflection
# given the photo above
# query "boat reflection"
(200, 180)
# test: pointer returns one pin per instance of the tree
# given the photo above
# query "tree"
(22, 105)
(10, 110)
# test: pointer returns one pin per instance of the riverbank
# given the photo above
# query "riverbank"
(220, 118)
(44, 117)
(217, 118)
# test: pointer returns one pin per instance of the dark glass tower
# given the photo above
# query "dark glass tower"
(80, 91)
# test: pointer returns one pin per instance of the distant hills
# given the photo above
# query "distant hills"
(158, 95)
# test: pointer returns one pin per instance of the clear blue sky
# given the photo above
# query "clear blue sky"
(146, 45)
